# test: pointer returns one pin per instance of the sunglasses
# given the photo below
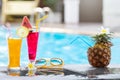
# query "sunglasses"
(49, 63)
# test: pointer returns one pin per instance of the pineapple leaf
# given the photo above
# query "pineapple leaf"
(102, 38)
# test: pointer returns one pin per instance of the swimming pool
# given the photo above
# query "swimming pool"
(72, 48)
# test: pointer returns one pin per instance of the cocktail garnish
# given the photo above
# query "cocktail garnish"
(22, 32)
(26, 22)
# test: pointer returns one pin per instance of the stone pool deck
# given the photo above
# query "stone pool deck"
(71, 72)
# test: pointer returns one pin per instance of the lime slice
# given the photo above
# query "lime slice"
(22, 32)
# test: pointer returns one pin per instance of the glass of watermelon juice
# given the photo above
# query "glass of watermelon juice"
(32, 41)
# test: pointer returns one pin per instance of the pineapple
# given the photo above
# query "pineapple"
(100, 54)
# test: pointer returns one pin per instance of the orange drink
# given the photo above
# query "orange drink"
(14, 46)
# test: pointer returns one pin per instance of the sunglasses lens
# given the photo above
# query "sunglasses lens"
(56, 61)
(40, 62)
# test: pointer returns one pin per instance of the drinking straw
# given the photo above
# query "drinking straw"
(39, 20)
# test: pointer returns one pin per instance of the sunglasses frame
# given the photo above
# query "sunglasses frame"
(52, 65)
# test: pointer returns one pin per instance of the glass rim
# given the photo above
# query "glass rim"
(12, 37)
(33, 30)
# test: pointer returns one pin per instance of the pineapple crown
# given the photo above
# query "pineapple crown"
(104, 36)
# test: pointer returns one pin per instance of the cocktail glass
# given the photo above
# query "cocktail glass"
(32, 41)
(14, 47)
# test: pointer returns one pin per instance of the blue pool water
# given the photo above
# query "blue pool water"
(70, 47)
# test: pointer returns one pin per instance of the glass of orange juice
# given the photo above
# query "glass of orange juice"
(14, 47)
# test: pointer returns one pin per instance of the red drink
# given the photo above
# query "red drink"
(32, 41)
